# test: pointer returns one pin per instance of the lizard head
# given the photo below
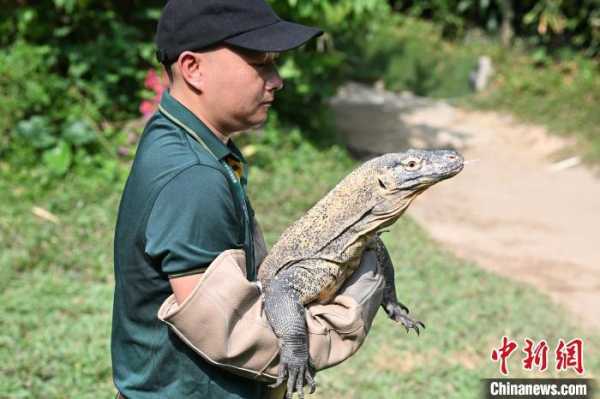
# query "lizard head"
(401, 177)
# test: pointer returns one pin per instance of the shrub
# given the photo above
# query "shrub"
(70, 72)
(26, 100)
(73, 71)
(313, 74)
(553, 24)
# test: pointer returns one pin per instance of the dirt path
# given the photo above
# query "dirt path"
(514, 211)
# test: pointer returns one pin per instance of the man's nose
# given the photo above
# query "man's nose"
(274, 81)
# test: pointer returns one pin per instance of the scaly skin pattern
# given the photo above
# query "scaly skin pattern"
(317, 253)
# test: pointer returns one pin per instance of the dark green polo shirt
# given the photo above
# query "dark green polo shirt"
(180, 209)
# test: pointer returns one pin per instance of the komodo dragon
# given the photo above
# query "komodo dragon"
(317, 253)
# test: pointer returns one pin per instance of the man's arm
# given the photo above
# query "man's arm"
(183, 286)
(192, 221)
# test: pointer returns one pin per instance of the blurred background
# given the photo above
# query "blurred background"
(507, 248)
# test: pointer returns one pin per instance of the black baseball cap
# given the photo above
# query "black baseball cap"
(250, 24)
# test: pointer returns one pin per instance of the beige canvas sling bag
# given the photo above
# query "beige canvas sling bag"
(223, 319)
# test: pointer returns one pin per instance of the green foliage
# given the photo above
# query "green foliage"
(85, 61)
(562, 95)
(43, 114)
(410, 54)
(313, 74)
(58, 159)
(454, 17)
(70, 71)
(558, 21)
(551, 23)
(24, 97)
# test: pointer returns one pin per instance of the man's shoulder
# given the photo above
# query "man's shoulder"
(166, 144)
(165, 156)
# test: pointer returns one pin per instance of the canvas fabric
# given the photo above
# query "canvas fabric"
(223, 319)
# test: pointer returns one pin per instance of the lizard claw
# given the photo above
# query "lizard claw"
(398, 313)
(298, 373)
(409, 323)
(297, 377)
(403, 307)
(393, 307)
(281, 376)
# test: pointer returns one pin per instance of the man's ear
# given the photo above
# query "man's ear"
(191, 69)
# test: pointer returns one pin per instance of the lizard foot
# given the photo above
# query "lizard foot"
(393, 307)
(399, 313)
(297, 371)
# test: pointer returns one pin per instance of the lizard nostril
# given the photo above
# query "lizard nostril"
(452, 157)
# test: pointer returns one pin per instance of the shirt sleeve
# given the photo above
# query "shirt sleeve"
(192, 221)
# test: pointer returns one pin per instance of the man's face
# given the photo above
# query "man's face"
(238, 87)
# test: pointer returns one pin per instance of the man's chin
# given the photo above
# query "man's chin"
(257, 123)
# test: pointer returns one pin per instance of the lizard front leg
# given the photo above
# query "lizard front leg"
(395, 310)
(285, 312)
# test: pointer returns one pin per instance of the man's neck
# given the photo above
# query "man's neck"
(188, 102)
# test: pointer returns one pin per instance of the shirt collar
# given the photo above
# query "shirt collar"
(192, 122)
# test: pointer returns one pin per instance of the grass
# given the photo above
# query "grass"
(466, 310)
(562, 95)
(57, 282)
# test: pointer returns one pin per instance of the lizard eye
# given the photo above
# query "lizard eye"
(411, 164)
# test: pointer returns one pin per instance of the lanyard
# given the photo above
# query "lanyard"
(239, 191)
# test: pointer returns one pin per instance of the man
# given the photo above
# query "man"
(185, 199)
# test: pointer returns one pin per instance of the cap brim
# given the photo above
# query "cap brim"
(277, 37)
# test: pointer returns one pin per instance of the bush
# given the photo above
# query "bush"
(313, 74)
(70, 74)
(89, 59)
(25, 101)
(410, 54)
(43, 115)
(72, 71)
(554, 24)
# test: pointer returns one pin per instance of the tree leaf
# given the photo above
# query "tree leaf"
(58, 159)
(79, 132)
(36, 131)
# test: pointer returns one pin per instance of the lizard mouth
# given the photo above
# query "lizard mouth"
(456, 169)
(419, 184)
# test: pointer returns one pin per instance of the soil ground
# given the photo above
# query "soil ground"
(515, 209)
(516, 212)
